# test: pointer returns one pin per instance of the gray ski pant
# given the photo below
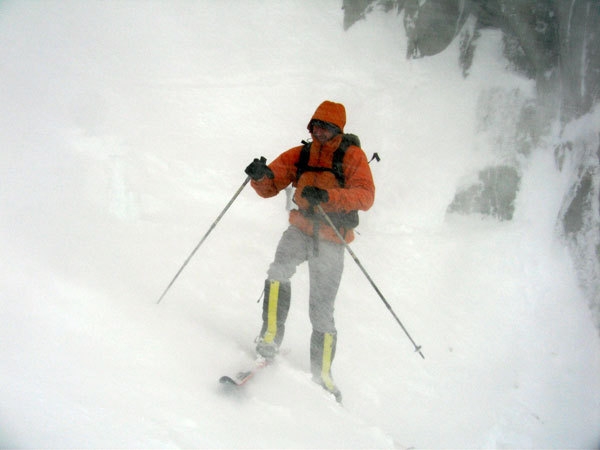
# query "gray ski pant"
(325, 272)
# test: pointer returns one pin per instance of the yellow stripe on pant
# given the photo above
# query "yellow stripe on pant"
(326, 364)
(271, 332)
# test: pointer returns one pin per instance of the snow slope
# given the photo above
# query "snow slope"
(125, 127)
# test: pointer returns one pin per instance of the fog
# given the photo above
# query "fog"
(125, 127)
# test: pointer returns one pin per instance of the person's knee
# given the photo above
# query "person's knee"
(280, 273)
(322, 322)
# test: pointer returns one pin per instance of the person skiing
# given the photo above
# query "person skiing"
(308, 236)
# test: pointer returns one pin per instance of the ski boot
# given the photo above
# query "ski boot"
(322, 352)
(276, 305)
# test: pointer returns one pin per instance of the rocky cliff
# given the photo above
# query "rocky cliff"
(557, 44)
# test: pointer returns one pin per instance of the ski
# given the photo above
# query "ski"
(243, 376)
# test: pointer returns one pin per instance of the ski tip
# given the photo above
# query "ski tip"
(227, 380)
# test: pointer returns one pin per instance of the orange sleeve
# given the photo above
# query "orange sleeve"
(284, 171)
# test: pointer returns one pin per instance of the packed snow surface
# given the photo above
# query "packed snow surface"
(125, 127)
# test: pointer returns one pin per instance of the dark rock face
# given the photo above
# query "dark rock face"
(555, 42)
(579, 28)
(493, 195)
(579, 219)
(433, 25)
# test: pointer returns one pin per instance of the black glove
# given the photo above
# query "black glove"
(258, 169)
(314, 195)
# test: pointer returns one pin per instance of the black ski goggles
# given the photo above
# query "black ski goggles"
(322, 124)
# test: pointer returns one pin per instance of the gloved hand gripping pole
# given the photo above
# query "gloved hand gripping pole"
(356, 260)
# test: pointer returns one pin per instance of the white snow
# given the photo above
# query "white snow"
(125, 127)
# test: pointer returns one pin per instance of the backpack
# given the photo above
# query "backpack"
(347, 220)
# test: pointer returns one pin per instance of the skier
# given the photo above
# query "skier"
(309, 237)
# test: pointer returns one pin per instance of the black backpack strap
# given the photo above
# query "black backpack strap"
(302, 163)
(337, 163)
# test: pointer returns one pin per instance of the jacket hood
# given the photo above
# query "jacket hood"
(330, 112)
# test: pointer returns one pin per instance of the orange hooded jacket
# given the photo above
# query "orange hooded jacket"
(358, 192)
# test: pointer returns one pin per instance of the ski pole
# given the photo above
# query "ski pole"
(356, 260)
(214, 224)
